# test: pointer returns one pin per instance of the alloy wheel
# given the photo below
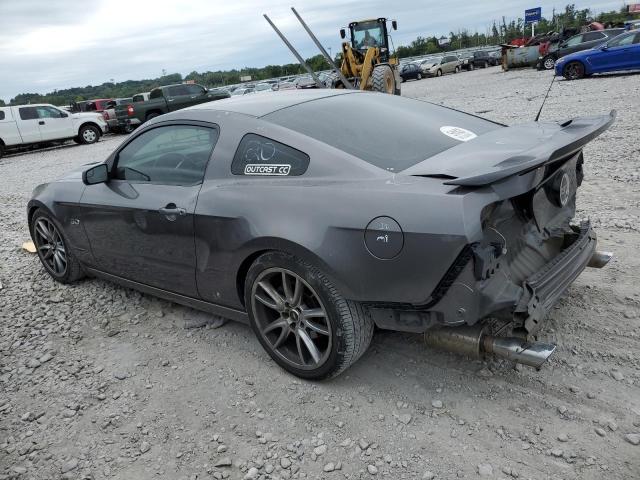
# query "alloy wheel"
(574, 71)
(50, 246)
(549, 63)
(291, 318)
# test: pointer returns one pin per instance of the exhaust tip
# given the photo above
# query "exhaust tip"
(599, 259)
(534, 354)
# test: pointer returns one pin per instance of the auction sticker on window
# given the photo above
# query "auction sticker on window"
(458, 133)
(262, 169)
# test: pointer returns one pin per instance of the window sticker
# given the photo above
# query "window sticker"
(458, 133)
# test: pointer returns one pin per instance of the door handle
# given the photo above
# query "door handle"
(41, 122)
(172, 210)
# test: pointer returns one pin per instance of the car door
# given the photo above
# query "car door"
(450, 64)
(591, 40)
(140, 224)
(197, 94)
(570, 46)
(178, 97)
(620, 53)
(28, 125)
(54, 124)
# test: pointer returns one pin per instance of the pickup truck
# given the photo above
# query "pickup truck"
(109, 114)
(24, 125)
(163, 100)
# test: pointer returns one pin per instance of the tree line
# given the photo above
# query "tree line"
(499, 32)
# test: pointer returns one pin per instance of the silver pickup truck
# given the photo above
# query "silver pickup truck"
(24, 125)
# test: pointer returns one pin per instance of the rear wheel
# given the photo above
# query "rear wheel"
(53, 249)
(456, 70)
(485, 64)
(152, 115)
(439, 73)
(383, 80)
(573, 71)
(88, 134)
(1, 149)
(301, 320)
(419, 76)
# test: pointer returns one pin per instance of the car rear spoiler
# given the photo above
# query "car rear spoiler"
(553, 141)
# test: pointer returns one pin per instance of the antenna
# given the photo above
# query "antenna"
(545, 97)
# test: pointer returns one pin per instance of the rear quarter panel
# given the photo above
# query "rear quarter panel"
(9, 132)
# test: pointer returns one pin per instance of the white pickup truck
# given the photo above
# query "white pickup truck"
(32, 124)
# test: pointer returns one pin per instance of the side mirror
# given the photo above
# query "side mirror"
(394, 24)
(64, 115)
(343, 34)
(95, 175)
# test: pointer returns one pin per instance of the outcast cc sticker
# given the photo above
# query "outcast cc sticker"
(458, 133)
(258, 169)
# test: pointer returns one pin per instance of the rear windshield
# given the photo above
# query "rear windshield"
(390, 132)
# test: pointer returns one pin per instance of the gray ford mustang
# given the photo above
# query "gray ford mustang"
(319, 215)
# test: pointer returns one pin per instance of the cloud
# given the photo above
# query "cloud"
(47, 45)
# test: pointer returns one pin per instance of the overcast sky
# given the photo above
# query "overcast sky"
(55, 44)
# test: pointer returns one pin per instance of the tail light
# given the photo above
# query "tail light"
(130, 110)
(105, 114)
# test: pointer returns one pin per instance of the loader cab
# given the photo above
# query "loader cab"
(370, 33)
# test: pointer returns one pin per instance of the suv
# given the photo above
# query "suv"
(483, 59)
(577, 43)
(438, 66)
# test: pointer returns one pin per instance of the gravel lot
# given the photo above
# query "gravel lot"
(97, 381)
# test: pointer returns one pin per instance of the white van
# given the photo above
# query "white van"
(31, 124)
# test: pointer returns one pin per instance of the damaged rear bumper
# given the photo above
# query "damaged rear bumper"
(544, 288)
(467, 300)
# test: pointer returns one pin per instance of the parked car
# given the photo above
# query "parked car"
(410, 71)
(618, 54)
(466, 61)
(163, 100)
(577, 43)
(242, 91)
(438, 66)
(495, 225)
(109, 114)
(305, 82)
(24, 125)
(96, 105)
(483, 59)
(140, 97)
(263, 88)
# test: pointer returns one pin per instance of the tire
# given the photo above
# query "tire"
(485, 64)
(439, 73)
(548, 62)
(573, 71)
(457, 70)
(151, 115)
(62, 265)
(340, 330)
(1, 149)
(419, 76)
(88, 134)
(127, 129)
(383, 80)
(471, 66)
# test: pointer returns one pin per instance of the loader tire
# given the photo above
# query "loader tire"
(383, 80)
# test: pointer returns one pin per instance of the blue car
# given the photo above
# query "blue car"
(619, 53)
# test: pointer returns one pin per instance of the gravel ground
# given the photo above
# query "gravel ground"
(97, 381)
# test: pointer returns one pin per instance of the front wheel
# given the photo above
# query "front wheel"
(383, 80)
(573, 71)
(53, 249)
(548, 62)
(439, 73)
(301, 320)
(88, 134)
(419, 77)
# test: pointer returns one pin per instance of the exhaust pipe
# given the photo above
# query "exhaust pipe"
(599, 259)
(475, 342)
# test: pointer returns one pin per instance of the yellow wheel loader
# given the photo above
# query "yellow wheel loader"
(367, 63)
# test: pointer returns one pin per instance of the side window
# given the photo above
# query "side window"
(195, 89)
(28, 113)
(621, 40)
(48, 112)
(574, 40)
(1, 114)
(156, 93)
(173, 155)
(258, 155)
(177, 90)
(590, 36)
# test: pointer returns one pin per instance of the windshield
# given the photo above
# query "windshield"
(263, 86)
(367, 34)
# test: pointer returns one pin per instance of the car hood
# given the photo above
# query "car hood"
(503, 152)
